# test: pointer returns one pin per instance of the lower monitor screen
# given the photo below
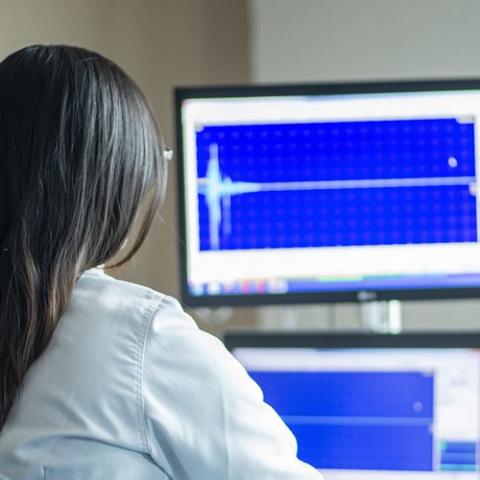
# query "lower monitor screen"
(375, 414)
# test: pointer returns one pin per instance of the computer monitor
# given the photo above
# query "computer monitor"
(329, 192)
(374, 407)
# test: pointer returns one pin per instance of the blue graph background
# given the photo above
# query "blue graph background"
(360, 150)
(356, 420)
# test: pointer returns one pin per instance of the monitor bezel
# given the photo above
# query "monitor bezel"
(328, 296)
(352, 340)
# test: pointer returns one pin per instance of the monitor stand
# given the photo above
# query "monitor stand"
(382, 317)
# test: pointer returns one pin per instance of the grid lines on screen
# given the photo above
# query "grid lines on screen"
(349, 183)
(356, 420)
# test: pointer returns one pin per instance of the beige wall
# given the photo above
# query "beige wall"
(330, 40)
(161, 43)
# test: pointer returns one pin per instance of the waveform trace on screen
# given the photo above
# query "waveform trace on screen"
(219, 188)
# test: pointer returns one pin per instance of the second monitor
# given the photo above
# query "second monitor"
(373, 407)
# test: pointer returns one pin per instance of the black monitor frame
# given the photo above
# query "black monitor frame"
(321, 340)
(185, 93)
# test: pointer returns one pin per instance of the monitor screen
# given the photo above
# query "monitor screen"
(376, 414)
(297, 194)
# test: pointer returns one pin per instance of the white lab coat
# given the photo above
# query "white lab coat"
(130, 388)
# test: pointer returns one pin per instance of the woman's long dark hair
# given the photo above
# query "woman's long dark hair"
(80, 157)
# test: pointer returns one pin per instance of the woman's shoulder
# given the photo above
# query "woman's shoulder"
(111, 297)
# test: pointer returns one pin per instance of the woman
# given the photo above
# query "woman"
(99, 378)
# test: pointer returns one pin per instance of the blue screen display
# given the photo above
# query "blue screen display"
(358, 420)
(349, 183)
